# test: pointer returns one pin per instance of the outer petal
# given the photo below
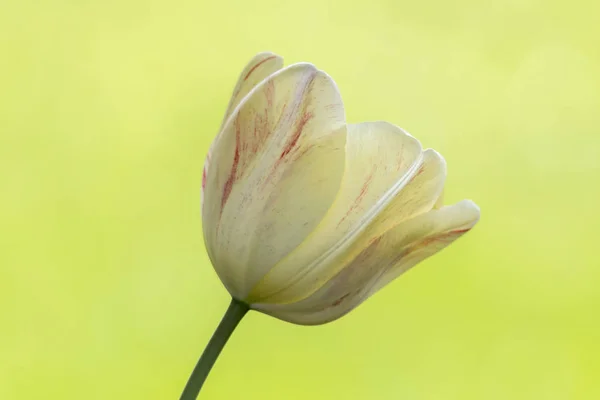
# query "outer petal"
(382, 260)
(439, 203)
(274, 173)
(436, 229)
(420, 195)
(260, 67)
(380, 160)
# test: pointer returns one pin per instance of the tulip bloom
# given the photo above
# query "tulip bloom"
(304, 215)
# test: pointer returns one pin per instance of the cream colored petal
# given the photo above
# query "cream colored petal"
(439, 203)
(383, 259)
(274, 173)
(420, 195)
(337, 297)
(260, 67)
(380, 160)
(435, 230)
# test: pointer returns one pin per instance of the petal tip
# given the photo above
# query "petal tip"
(437, 155)
(471, 208)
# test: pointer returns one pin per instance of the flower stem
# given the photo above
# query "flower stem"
(230, 321)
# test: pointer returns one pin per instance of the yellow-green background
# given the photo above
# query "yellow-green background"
(107, 109)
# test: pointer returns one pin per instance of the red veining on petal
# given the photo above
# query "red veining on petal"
(301, 107)
(356, 272)
(256, 66)
(419, 172)
(261, 132)
(306, 116)
(281, 113)
(375, 241)
(291, 144)
(269, 92)
(400, 158)
(461, 230)
(232, 174)
(441, 237)
(339, 301)
(359, 268)
(361, 195)
(204, 177)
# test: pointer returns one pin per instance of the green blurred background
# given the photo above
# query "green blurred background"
(107, 109)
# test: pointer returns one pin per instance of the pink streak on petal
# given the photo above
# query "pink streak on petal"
(232, 175)
(256, 66)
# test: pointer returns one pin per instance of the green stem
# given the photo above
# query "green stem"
(231, 319)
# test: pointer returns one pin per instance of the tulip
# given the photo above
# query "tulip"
(304, 215)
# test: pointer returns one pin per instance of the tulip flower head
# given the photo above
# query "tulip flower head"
(305, 215)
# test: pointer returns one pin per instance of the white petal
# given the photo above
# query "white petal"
(380, 160)
(384, 258)
(435, 230)
(439, 203)
(260, 67)
(274, 173)
(338, 296)
(420, 195)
